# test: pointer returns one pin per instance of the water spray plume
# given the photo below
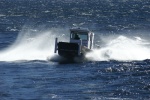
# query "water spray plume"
(40, 46)
(122, 49)
(30, 46)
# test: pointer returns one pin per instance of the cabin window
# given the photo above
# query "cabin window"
(79, 35)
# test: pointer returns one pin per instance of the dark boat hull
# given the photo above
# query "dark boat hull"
(72, 51)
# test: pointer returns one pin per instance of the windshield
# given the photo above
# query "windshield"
(79, 35)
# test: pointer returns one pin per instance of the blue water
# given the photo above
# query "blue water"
(118, 70)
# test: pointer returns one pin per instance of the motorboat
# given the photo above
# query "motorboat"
(80, 43)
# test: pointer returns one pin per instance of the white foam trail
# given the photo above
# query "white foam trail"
(31, 46)
(122, 49)
(34, 45)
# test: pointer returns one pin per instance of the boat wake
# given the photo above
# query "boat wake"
(122, 48)
(32, 45)
(39, 45)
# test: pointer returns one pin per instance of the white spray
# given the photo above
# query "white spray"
(39, 45)
(122, 48)
(31, 45)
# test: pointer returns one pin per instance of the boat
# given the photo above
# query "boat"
(80, 43)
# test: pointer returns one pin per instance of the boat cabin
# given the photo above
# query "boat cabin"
(82, 36)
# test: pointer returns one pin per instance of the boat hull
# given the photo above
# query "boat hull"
(72, 51)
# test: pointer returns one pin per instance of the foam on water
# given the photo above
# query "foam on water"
(39, 45)
(31, 45)
(122, 48)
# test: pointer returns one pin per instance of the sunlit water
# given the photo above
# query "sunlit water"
(118, 67)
